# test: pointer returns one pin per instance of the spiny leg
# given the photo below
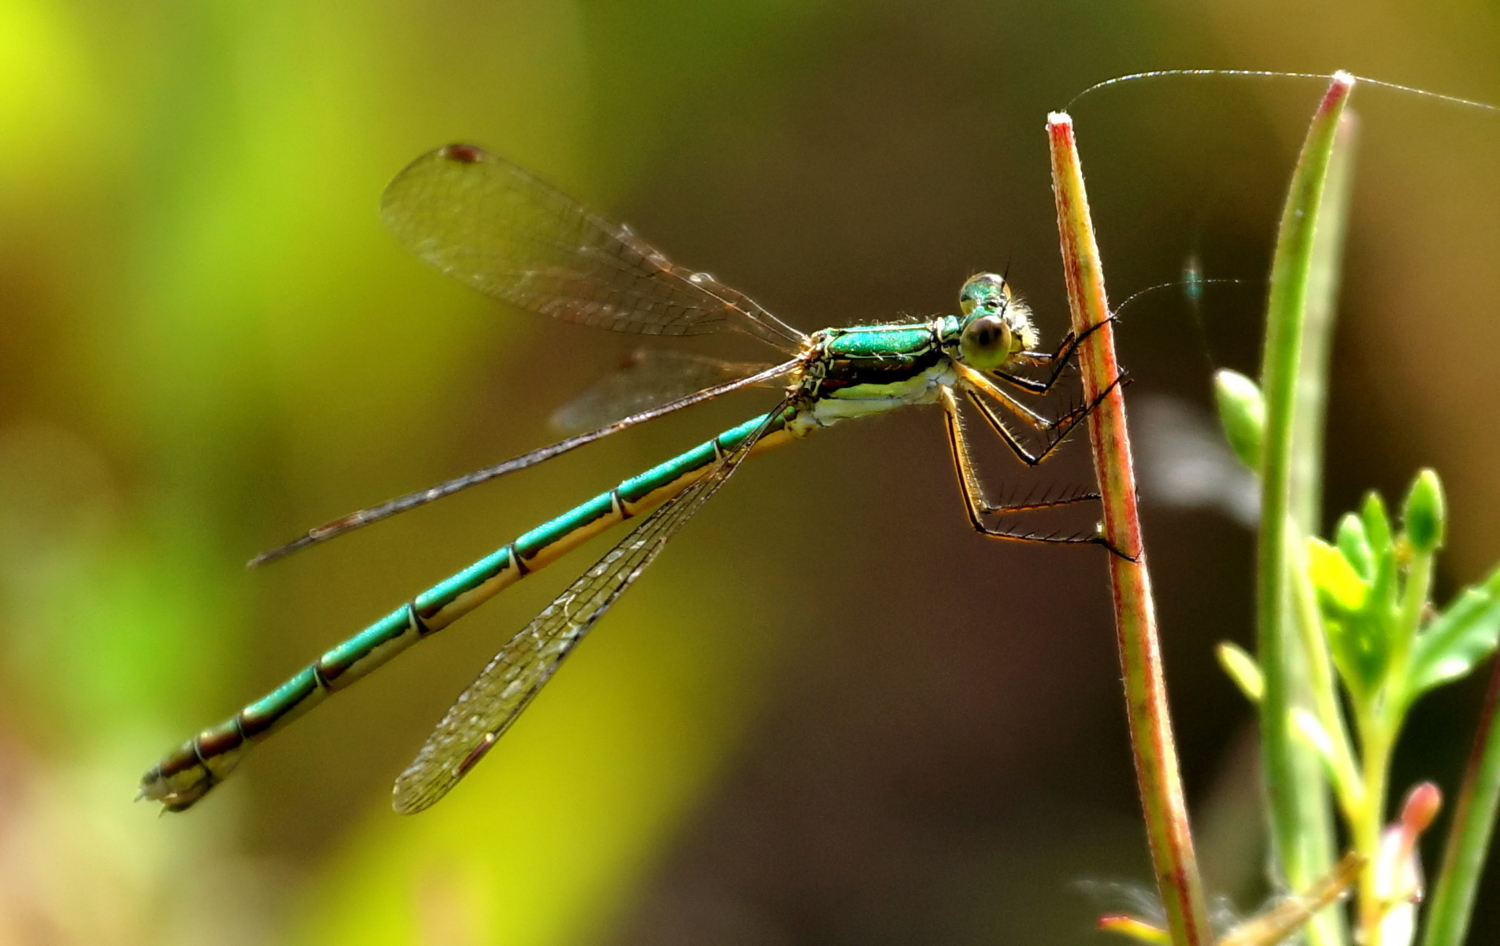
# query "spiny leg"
(975, 503)
(1059, 360)
(1059, 428)
(1063, 424)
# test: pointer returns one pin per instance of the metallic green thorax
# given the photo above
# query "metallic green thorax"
(851, 372)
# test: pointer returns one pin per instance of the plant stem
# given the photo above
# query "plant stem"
(1469, 837)
(1323, 691)
(1376, 742)
(1135, 618)
(1415, 595)
(1380, 726)
(1296, 789)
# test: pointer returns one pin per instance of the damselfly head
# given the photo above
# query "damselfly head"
(986, 291)
(997, 326)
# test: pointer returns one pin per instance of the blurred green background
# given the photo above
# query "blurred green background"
(832, 714)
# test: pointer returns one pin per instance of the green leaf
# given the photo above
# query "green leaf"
(1339, 586)
(1380, 619)
(1242, 411)
(1302, 835)
(1463, 635)
(1358, 652)
(1355, 545)
(1242, 669)
(1358, 615)
(1377, 523)
(1425, 514)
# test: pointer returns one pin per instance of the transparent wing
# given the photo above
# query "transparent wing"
(494, 226)
(648, 378)
(363, 517)
(508, 684)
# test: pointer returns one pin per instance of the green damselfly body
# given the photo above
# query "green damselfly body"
(497, 228)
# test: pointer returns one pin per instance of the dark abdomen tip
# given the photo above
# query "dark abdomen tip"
(465, 154)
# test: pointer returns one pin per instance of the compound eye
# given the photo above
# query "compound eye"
(986, 342)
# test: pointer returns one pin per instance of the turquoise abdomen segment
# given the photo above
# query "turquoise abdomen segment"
(337, 662)
(430, 602)
(735, 436)
(590, 513)
(637, 488)
(260, 716)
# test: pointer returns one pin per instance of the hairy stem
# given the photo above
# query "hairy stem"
(1135, 616)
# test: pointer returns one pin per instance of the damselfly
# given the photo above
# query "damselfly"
(499, 229)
